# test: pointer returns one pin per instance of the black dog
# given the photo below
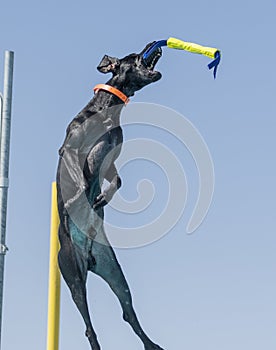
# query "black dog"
(92, 144)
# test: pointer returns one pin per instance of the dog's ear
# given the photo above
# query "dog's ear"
(108, 64)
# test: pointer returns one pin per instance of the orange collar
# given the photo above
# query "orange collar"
(113, 90)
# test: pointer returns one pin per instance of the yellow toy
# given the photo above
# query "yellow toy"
(174, 43)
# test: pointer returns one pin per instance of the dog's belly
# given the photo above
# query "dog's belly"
(90, 222)
(84, 222)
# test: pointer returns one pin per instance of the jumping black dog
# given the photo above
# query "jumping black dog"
(92, 144)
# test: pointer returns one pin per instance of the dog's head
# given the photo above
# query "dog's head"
(132, 72)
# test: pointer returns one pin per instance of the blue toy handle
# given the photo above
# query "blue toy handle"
(153, 47)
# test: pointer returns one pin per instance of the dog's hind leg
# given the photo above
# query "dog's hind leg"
(75, 277)
(105, 264)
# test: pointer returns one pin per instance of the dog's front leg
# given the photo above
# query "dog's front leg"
(115, 183)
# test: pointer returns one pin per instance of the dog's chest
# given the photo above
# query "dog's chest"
(115, 137)
(106, 151)
(113, 145)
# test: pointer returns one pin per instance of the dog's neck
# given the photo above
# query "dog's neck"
(116, 82)
(108, 104)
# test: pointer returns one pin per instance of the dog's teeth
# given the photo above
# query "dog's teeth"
(154, 57)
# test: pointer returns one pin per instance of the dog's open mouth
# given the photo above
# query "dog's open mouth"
(153, 58)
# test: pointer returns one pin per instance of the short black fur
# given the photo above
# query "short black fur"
(92, 144)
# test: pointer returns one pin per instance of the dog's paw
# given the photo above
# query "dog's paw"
(153, 347)
(100, 201)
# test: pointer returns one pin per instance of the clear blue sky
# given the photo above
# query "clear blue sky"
(214, 289)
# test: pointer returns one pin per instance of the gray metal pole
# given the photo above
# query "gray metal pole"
(4, 165)
(1, 113)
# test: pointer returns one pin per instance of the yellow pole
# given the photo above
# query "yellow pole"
(54, 278)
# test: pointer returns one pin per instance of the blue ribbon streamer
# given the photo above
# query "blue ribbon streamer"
(214, 64)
